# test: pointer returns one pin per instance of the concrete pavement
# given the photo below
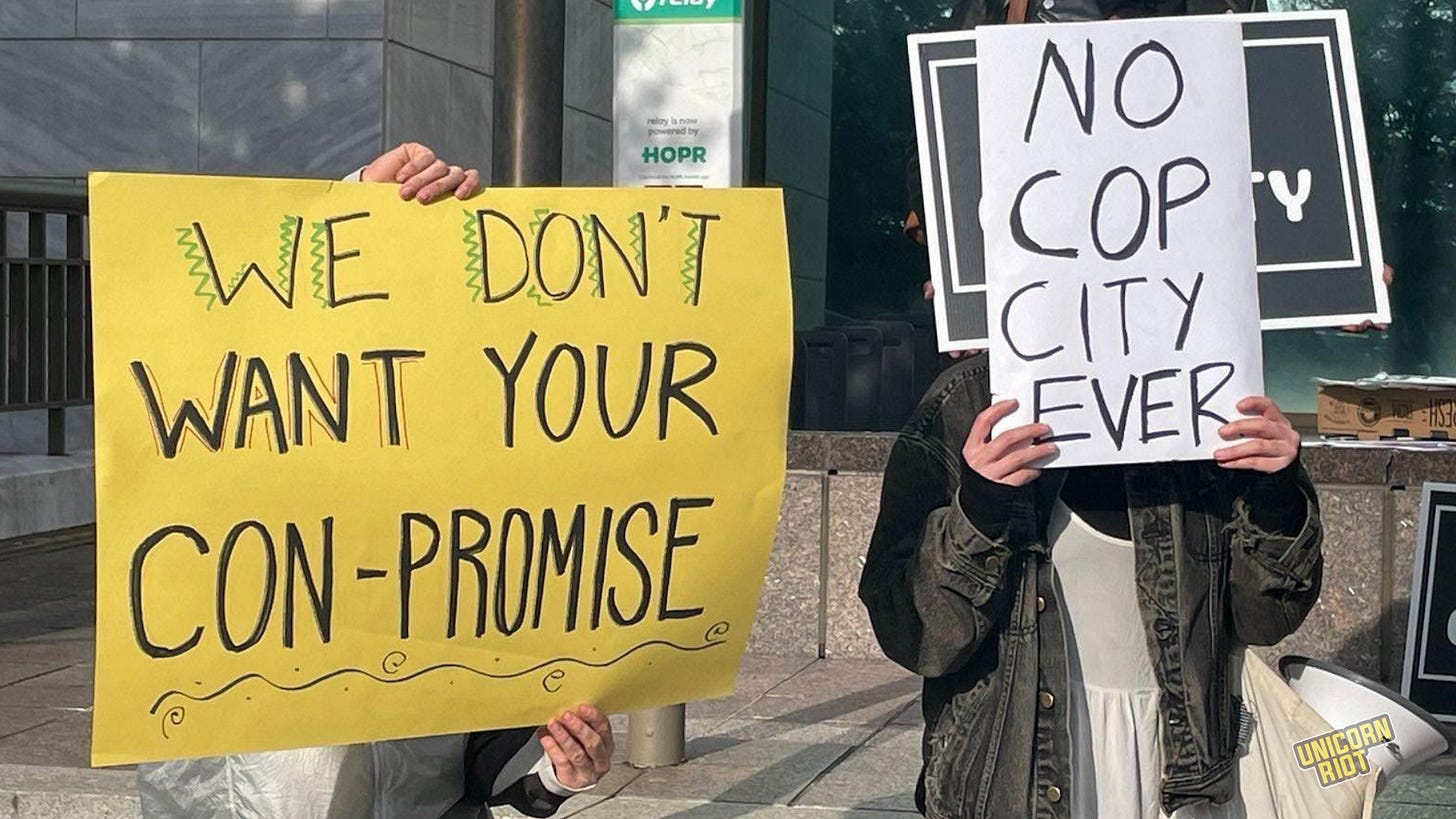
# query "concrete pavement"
(800, 738)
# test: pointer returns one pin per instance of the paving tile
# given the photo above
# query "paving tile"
(1433, 783)
(736, 742)
(1398, 811)
(54, 652)
(880, 774)
(91, 806)
(639, 808)
(15, 672)
(770, 772)
(868, 692)
(62, 742)
(16, 719)
(756, 677)
(37, 694)
(912, 715)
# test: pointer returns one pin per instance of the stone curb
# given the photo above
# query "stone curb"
(33, 792)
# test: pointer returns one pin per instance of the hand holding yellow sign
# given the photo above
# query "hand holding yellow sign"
(369, 470)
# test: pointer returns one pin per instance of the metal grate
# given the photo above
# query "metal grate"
(45, 307)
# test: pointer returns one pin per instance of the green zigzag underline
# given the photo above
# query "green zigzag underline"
(474, 264)
(531, 292)
(594, 258)
(193, 253)
(285, 246)
(690, 263)
(316, 250)
(636, 229)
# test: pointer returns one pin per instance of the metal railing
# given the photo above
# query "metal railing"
(45, 302)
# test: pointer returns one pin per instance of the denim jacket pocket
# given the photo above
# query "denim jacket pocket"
(959, 753)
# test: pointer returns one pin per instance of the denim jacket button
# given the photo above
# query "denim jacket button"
(1047, 700)
(1054, 794)
(1040, 604)
(993, 563)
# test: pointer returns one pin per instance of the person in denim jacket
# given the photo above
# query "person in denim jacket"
(962, 586)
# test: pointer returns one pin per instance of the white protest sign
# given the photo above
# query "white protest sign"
(1120, 234)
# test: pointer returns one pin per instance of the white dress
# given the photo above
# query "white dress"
(1117, 754)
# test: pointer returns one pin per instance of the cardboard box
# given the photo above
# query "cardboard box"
(1387, 408)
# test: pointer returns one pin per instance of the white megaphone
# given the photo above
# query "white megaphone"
(1405, 738)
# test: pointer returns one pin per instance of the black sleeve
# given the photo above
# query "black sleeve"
(914, 197)
(486, 754)
(1276, 503)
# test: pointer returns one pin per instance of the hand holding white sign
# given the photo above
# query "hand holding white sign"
(1009, 457)
(1271, 442)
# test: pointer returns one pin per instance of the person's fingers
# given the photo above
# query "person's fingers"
(1261, 405)
(573, 749)
(418, 159)
(1253, 428)
(1010, 441)
(416, 183)
(599, 757)
(471, 184)
(928, 290)
(988, 418)
(1018, 461)
(1021, 478)
(1257, 448)
(595, 718)
(559, 760)
(1265, 465)
(600, 723)
(454, 176)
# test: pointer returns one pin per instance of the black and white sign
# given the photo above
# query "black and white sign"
(1319, 255)
(1430, 647)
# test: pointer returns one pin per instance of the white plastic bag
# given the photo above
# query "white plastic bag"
(402, 779)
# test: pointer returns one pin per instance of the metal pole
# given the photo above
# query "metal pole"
(530, 64)
(658, 737)
(56, 431)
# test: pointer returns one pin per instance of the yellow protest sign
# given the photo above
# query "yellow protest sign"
(369, 469)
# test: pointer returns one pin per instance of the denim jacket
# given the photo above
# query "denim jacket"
(960, 588)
